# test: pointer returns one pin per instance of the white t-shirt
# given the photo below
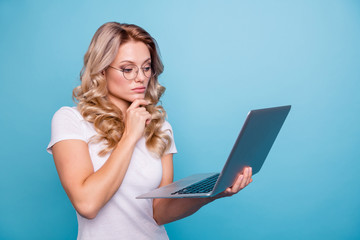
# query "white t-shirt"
(124, 216)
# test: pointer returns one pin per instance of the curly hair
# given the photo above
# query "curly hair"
(91, 94)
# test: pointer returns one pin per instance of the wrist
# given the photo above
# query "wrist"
(128, 139)
(204, 201)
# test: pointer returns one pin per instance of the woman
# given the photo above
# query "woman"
(116, 144)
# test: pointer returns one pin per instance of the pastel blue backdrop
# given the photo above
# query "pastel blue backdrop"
(222, 58)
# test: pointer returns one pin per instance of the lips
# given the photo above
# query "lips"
(139, 89)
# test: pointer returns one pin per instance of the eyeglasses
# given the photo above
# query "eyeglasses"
(131, 71)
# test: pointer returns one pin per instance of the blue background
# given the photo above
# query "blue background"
(222, 58)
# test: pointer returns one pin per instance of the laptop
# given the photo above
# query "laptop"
(251, 148)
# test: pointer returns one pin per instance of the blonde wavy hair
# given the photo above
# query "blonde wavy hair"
(91, 95)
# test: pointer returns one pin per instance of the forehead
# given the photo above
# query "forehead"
(136, 52)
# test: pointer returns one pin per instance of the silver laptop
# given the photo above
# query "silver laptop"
(251, 148)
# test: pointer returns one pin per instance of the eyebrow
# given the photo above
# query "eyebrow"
(134, 62)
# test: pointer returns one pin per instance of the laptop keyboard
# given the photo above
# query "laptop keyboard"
(203, 186)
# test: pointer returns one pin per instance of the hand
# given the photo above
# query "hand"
(136, 119)
(241, 182)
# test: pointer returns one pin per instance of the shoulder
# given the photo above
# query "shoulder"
(166, 126)
(67, 123)
(67, 117)
(68, 112)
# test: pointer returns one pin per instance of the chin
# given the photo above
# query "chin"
(137, 97)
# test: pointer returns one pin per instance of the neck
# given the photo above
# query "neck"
(120, 103)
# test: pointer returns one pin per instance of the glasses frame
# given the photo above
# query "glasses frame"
(137, 71)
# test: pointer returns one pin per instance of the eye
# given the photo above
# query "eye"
(128, 69)
(147, 69)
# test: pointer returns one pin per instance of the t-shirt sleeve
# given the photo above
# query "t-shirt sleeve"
(167, 127)
(66, 124)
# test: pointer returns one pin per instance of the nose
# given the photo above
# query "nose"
(140, 77)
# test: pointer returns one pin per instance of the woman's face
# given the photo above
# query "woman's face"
(121, 91)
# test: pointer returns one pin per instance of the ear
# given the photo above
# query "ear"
(103, 72)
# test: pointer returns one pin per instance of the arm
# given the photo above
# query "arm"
(89, 191)
(167, 210)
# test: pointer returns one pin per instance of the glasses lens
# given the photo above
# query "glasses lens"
(130, 72)
(147, 71)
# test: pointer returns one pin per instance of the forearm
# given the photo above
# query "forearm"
(169, 210)
(98, 188)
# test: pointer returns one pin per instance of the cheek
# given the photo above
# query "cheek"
(115, 83)
(147, 84)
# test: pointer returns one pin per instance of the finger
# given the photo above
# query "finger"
(137, 102)
(250, 175)
(221, 195)
(139, 110)
(228, 192)
(145, 116)
(140, 115)
(136, 112)
(143, 113)
(236, 187)
(245, 179)
(148, 118)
